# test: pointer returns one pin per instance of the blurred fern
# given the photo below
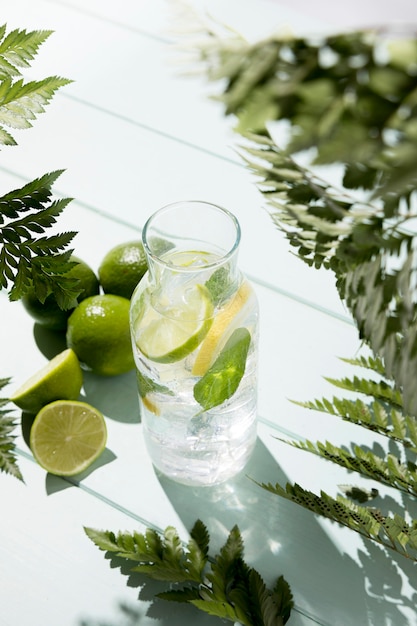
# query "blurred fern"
(347, 100)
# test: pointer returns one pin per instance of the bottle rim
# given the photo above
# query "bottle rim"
(181, 204)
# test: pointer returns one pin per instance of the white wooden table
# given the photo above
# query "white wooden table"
(134, 135)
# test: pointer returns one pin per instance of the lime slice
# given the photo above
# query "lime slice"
(67, 436)
(60, 379)
(171, 335)
(224, 322)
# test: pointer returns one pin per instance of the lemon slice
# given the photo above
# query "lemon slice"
(225, 321)
(67, 436)
(171, 335)
(60, 379)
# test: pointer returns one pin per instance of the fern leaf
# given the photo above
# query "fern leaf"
(237, 592)
(373, 363)
(27, 259)
(36, 222)
(219, 608)
(222, 570)
(392, 532)
(380, 390)
(21, 103)
(18, 48)
(8, 461)
(388, 471)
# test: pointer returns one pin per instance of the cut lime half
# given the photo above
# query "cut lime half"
(67, 436)
(60, 379)
(173, 333)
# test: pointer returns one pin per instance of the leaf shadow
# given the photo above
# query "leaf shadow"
(105, 393)
(167, 613)
(49, 342)
(54, 484)
(282, 537)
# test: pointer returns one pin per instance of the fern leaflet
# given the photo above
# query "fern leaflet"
(392, 532)
(8, 461)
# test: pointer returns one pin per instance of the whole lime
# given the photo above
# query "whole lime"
(122, 268)
(98, 332)
(48, 313)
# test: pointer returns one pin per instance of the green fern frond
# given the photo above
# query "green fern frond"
(392, 532)
(346, 111)
(380, 390)
(384, 306)
(375, 416)
(388, 470)
(373, 363)
(224, 585)
(21, 103)
(27, 259)
(18, 48)
(8, 461)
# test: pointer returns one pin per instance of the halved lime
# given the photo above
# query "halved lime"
(224, 323)
(60, 379)
(172, 333)
(67, 436)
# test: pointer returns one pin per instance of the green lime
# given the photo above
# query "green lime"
(48, 313)
(67, 436)
(98, 332)
(122, 268)
(60, 379)
(173, 334)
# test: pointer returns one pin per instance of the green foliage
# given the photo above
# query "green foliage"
(348, 101)
(388, 470)
(393, 532)
(20, 101)
(8, 461)
(26, 258)
(223, 586)
(349, 96)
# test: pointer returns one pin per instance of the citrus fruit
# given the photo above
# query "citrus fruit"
(227, 319)
(98, 332)
(60, 379)
(48, 313)
(67, 436)
(122, 268)
(170, 335)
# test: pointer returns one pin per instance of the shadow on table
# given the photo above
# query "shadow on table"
(106, 393)
(283, 538)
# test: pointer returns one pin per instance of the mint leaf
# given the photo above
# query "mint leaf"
(219, 285)
(147, 385)
(221, 381)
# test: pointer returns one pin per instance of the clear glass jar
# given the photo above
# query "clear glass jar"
(194, 327)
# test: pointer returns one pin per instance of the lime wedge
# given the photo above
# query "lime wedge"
(224, 323)
(67, 436)
(172, 334)
(60, 379)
